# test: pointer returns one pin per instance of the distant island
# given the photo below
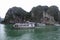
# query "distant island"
(38, 14)
(1, 19)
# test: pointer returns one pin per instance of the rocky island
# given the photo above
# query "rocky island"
(38, 14)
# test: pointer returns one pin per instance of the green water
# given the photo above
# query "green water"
(7, 32)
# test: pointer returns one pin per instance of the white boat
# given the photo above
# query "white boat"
(24, 25)
(40, 24)
(57, 24)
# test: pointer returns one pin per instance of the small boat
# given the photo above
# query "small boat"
(41, 24)
(57, 24)
(24, 25)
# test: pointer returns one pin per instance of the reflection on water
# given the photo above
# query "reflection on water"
(8, 33)
(2, 32)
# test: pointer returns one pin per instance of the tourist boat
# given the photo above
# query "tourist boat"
(24, 25)
(40, 24)
(57, 24)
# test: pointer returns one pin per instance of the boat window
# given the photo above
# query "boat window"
(16, 25)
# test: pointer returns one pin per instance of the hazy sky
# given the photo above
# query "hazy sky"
(25, 4)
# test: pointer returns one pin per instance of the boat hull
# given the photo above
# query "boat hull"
(24, 25)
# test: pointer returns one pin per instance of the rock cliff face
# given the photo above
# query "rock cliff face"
(17, 14)
(40, 12)
(14, 15)
(37, 12)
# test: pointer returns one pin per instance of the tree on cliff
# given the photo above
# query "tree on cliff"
(59, 16)
(53, 11)
(45, 8)
(37, 12)
(15, 14)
